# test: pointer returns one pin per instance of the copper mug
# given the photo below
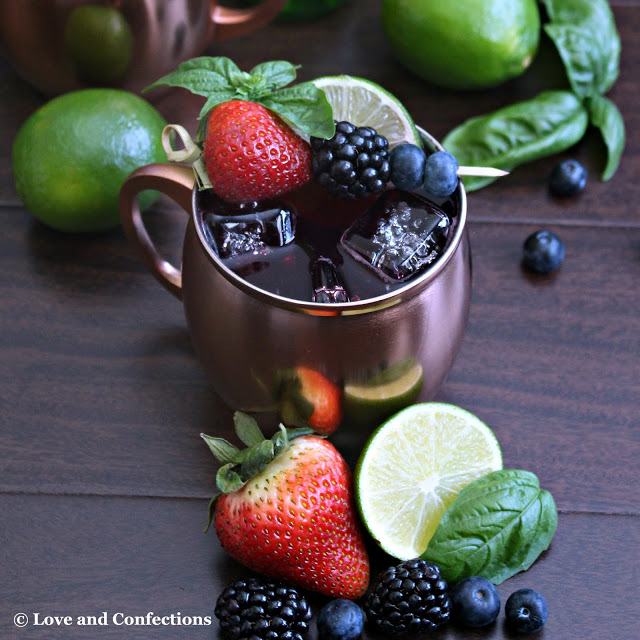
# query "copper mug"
(246, 337)
(159, 35)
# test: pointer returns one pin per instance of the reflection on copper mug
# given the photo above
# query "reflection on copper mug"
(246, 337)
(153, 37)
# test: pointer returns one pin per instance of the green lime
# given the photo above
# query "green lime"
(467, 44)
(412, 469)
(384, 393)
(72, 155)
(99, 41)
(365, 103)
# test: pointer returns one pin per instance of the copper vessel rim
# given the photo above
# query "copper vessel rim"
(358, 306)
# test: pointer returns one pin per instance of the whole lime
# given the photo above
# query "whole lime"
(99, 42)
(466, 44)
(72, 155)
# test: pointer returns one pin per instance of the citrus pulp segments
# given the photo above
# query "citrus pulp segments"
(365, 103)
(413, 468)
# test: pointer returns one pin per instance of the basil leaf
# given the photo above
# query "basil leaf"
(305, 107)
(551, 122)
(606, 116)
(203, 76)
(585, 34)
(496, 527)
(277, 73)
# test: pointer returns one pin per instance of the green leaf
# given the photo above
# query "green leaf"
(203, 76)
(607, 117)
(212, 511)
(305, 107)
(261, 455)
(247, 429)
(522, 132)
(223, 451)
(277, 73)
(585, 34)
(228, 480)
(495, 528)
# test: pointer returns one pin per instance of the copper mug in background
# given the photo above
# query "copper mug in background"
(153, 37)
(246, 337)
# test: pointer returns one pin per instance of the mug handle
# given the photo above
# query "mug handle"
(230, 23)
(175, 181)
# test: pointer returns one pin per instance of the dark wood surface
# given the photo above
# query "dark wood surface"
(103, 479)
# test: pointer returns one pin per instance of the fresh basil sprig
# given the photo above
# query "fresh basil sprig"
(585, 35)
(549, 123)
(303, 106)
(497, 526)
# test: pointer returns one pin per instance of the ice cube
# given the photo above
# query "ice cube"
(399, 236)
(253, 227)
(326, 281)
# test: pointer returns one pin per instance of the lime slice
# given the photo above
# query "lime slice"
(365, 103)
(383, 394)
(412, 469)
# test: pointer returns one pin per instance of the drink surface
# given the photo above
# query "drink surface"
(308, 245)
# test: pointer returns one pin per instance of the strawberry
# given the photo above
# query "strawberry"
(249, 144)
(287, 510)
(251, 154)
(309, 398)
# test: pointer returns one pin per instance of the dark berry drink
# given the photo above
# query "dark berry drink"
(311, 246)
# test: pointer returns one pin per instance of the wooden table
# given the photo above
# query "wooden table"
(104, 480)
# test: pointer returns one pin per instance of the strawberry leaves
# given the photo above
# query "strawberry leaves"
(303, 106)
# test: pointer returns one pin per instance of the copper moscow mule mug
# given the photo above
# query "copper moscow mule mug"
(245, 337)
(162, 33)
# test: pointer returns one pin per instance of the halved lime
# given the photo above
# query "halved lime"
(412, 469)
(383, 394)
(365, 103)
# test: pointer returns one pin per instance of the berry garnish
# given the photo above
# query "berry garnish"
(475, 602)
(407, 162)
(287, 510)
(340, 620)
(354, 163)
(267, 610)
(567, 178)
(543, 252)
(526, 611)
(408, 598)
(251, 125)
(440, 174)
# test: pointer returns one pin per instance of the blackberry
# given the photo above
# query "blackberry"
(352, 164)
(264, 610)
(408, 598)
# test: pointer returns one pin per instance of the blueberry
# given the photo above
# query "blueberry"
(407, 163)
(475, 601)
(526, 611)
(543, 252)
(440, 174)
(340, 620)
(567, 178)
